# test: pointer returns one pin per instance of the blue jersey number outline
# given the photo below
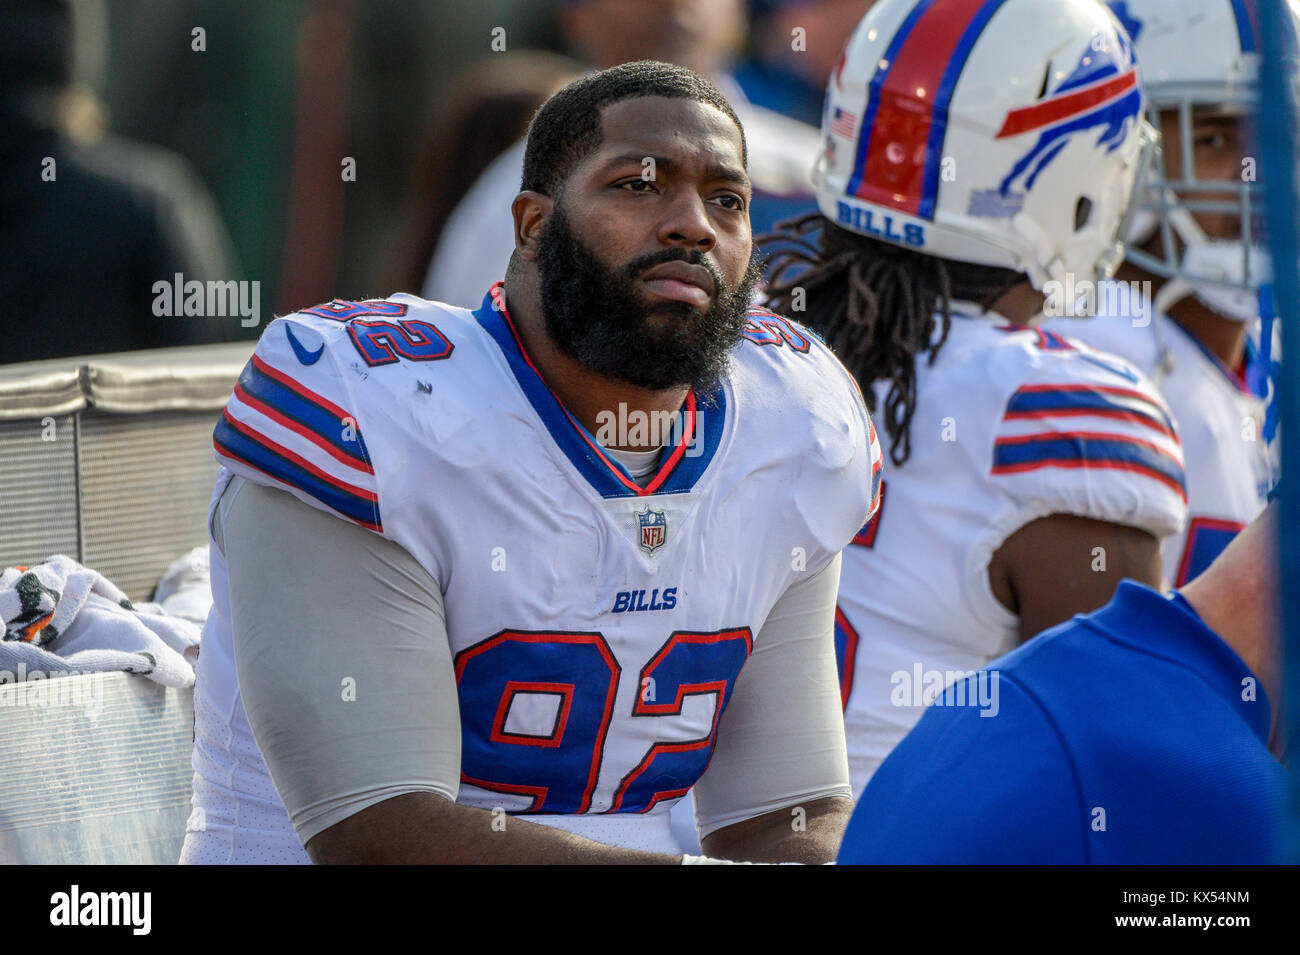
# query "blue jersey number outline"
(384, 342)
(390, 339)
(768, 328)
(559, 770)
(674, 670)
(1207, 538)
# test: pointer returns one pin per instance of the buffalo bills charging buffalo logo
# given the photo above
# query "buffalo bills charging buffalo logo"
(1132, 25)
(1101, 92)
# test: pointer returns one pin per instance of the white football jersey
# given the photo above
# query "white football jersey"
(1219, 421)
(1011, 424)
(597, 627)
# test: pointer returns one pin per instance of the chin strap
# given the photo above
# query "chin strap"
(1225, 265)
(1170, 293)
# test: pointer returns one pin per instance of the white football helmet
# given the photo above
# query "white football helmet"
(998, 132)
(1201, 54)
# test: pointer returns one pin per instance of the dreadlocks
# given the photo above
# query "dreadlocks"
(877, 305)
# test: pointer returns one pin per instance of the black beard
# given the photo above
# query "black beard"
(598, 316)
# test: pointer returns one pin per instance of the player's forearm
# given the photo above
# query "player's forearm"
(810, 834)
(425, 829)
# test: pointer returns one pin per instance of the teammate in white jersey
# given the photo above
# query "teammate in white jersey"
(1220, 421)
(495, 591)
(976, 151)
(1193, 240)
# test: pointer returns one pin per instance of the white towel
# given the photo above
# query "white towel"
(185, 588)
(61, 617)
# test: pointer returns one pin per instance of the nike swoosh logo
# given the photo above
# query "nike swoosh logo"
(304, 356)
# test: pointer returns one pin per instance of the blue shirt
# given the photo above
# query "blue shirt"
(1132, 735)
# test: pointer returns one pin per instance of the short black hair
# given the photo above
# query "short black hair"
(567, 127)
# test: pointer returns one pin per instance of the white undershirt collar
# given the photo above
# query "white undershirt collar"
(639, 464)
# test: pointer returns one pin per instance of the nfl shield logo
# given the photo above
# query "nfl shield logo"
(654, 529)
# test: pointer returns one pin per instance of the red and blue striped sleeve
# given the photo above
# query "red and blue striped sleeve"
(294, 425)
(1080, 444)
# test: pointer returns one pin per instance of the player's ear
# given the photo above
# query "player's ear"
(530, 210)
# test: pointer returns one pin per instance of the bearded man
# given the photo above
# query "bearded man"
(503, 585)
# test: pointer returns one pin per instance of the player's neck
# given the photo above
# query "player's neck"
(1224, 338)
(1021, 304)
(1237, 598)
(592, 398)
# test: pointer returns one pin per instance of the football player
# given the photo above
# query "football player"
(453, 599)
(976, 151)
(1194, 240)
